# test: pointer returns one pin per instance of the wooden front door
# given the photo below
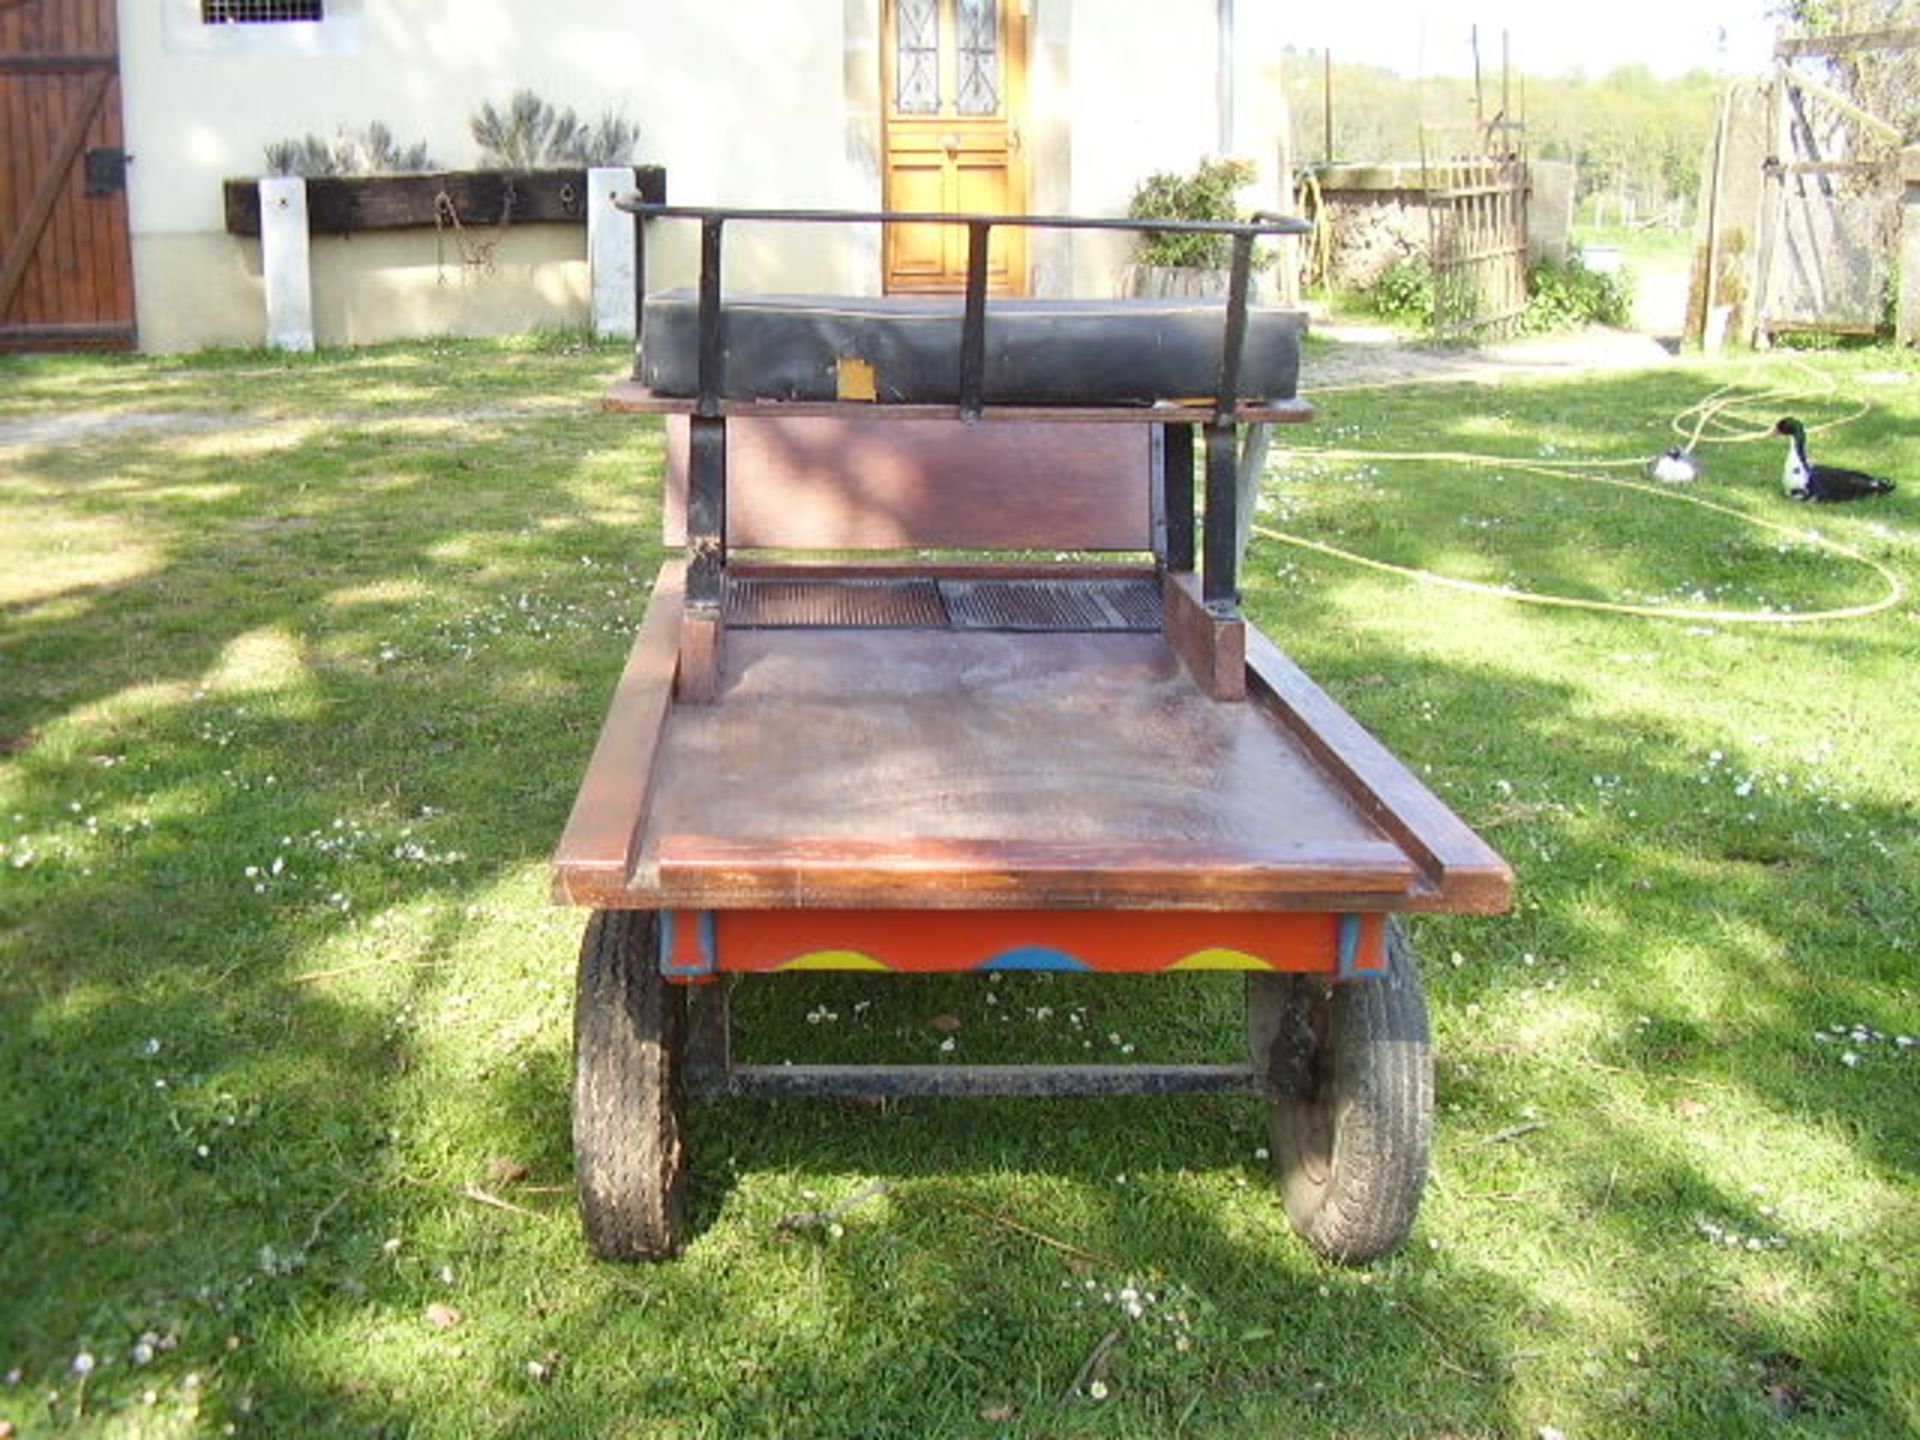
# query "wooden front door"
(954, 79)
(66, 260)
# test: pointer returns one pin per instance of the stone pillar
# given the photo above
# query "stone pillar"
(1906, 325)
(610, 251)
(284, 261)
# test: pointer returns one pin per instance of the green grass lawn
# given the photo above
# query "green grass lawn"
(301, 662)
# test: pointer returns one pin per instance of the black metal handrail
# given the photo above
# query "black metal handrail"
(973, 325)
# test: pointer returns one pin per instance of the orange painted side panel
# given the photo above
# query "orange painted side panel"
(1106, 941)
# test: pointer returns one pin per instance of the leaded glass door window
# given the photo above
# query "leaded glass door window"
(953, 73)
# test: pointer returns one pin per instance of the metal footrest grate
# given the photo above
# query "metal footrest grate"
(1052, 604)
(768, 604)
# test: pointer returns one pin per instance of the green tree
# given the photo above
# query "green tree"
(1633, 134)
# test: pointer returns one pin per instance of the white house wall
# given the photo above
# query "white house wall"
(763, 102)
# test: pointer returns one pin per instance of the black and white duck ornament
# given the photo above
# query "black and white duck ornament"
(1803, 480)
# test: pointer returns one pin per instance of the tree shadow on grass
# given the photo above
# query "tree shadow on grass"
(287, 747)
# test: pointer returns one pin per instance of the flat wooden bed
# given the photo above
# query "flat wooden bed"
(904, 762)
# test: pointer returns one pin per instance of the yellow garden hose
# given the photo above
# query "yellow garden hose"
(1721, 412)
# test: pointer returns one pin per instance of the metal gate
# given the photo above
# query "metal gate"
(1477, 223)
(66, 269)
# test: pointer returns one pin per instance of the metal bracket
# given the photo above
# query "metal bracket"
(688, 947)
(1352, 935)
(106, 168)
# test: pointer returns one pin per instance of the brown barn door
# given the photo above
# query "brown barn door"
(66, 262)
(954, 77)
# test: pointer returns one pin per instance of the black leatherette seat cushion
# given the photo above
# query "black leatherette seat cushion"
(907, 348)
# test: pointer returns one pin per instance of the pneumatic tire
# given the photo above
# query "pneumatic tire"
(629, 1093)
(1352, 1135)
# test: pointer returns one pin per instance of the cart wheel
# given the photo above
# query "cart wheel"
(1351, 1132)
(629, 1103)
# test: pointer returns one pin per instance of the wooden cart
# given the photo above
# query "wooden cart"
(987, 762)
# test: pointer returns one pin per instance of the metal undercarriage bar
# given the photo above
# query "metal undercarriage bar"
(976, 1081)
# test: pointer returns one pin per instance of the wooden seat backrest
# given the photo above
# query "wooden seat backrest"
(835, 482)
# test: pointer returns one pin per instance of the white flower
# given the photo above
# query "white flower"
(1097, 1390)
(83, 1364)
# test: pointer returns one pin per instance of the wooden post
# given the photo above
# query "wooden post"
(1326, 102)
(284, 259)
(1906, 327)
(1709, 280)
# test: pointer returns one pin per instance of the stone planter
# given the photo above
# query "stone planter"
(1175, 282)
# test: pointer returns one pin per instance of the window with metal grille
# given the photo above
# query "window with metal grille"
(260, 12)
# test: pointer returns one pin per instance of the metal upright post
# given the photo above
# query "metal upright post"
(973, 324)
(1176, 481)
(1220, 583)
(707, 446)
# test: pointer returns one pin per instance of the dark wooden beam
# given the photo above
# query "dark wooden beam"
(345, 204)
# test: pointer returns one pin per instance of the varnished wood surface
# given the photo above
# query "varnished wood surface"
(947, 769)
(1213, 647)
(631, 397)
(1053, 749)
(699, 677)
(868, 482)
(595, 850)
(957, 871)
(1462, 872)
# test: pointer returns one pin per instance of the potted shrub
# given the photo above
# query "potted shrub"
(1182, 265)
